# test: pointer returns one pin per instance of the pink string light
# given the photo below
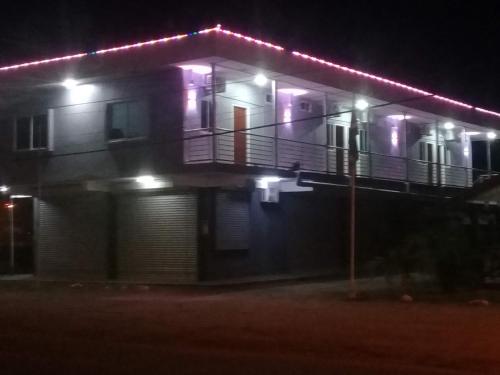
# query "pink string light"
(487, 111)
(219, 30)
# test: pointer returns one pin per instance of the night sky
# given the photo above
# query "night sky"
(447, 47)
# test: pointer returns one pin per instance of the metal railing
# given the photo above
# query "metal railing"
(265, 151)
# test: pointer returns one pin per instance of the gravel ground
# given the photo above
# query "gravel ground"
(283, 328)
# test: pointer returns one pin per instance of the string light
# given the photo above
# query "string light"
(219, 30)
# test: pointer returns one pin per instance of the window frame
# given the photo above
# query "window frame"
(49, 136)
(109, 120)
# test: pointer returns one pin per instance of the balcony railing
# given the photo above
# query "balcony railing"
(281, 153)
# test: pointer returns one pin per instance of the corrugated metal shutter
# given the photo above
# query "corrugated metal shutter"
(232, 221)
(73, 237)
(157, 238)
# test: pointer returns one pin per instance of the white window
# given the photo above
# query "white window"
(33, 132)
(363, 140)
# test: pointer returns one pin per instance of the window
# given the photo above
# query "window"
(206, 114)
(32, 132)
(421, 151)
(128, 120)
(363, 140)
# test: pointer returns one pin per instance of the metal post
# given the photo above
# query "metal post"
(438, 156)
(352, 230)
(352, 224)
(276, 120)
(488, 156)
(12, 254)
(369, 144)
(213, 114)
(407, 159)
(327, 131)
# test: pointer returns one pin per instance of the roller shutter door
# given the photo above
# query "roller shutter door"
(232, 221)
(73, 237)
(157, 238)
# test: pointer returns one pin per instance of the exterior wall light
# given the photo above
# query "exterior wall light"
(69, 83)
(260, 80)
(399, 117)
(263, 182)
(293, 91)
(198, 69)
(4, 188)
(361, 104)
(449, 125)
(491, 135)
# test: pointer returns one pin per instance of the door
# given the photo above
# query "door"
(430, 165)
(240, 137)
(156, 238)
(339, 143)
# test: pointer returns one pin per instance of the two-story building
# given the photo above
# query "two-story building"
(177, 160)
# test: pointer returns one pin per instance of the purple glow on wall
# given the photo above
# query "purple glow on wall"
(287, 114)
(394, 136)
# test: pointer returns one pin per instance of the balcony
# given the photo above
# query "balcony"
(248, 149)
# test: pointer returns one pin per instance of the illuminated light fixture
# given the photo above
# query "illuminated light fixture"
(198, 69)
(148, 182)
(472, 133)
(260, 80)
(191, 99)
(81, 93)
(361, 104)
(394, 136)
(293, 91)
(145, 179)
(4, 188)
(263, 182)
(9, 205)
(69, 83)
(287, 115)
(449, 125)
(20, 196)
(466, 151)
(399, 117)
(491, 135)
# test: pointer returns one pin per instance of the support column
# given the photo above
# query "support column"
(407, 159)
(327, 132)
(12, 253)
(213, 115)
(488, 156)
(438, 157)
(276, 121)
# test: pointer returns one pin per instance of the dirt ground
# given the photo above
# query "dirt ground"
(291, 328)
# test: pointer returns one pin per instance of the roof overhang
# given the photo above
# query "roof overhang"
(222, 43)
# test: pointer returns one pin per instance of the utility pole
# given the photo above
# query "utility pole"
(12, 254)
(353, 158)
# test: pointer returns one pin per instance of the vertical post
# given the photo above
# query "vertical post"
(438, 155)
(352, 230)
(407, 154)
(488, 156)
(276, 120)
(12, 253)
(213, 114)
(353, 157)
(327, 132)
(369, 144)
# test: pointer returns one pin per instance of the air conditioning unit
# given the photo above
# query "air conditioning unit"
(271, 194)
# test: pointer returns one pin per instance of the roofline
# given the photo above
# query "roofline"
(219, 30)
